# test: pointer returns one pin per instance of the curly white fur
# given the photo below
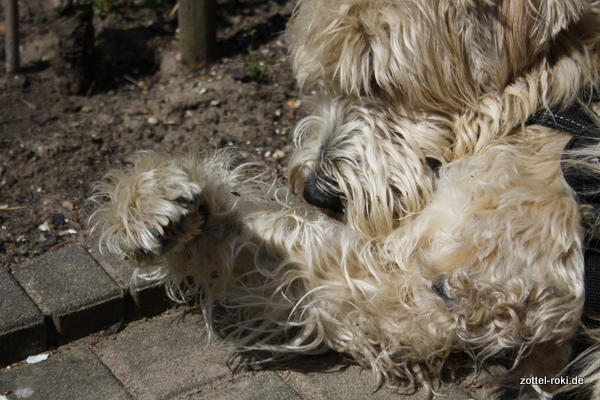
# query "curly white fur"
(457, 231)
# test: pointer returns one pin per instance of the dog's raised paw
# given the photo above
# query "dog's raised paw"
(183, 226)
(152, 208)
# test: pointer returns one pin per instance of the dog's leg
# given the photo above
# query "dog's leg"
(193, 224)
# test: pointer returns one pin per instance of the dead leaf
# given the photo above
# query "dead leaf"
(293, 104)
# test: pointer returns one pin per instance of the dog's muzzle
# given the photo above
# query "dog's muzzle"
(323, 193)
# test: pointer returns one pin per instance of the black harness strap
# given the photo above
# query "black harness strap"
(576, 122)
(573, 120)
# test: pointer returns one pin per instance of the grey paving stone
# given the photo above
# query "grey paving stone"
(143, 298)
(71, 287)
(23, 329)
(328, 377)
(147, 301)
(264, 386)
(116, 268)
(165, 356)
(74, 374)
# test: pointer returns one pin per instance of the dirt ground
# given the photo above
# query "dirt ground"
(53, 148)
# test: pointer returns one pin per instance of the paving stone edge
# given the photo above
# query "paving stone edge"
(36, 316)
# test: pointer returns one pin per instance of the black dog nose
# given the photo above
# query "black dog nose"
(315, 193)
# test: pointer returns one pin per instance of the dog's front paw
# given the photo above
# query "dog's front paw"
(151, 208)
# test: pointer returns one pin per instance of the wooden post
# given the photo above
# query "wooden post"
(197, 32)
(11, 12)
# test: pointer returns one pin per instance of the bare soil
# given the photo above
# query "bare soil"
(53, 148)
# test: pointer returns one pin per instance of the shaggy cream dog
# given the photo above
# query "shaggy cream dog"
(427, 212)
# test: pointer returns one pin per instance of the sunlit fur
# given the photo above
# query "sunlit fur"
(458, 231)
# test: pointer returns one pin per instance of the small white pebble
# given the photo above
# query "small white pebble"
(38, 358)
(279, 154)
(24, 393)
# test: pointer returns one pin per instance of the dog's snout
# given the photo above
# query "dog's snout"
(322, 193)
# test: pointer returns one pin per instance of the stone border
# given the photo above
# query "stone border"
(65, 295)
